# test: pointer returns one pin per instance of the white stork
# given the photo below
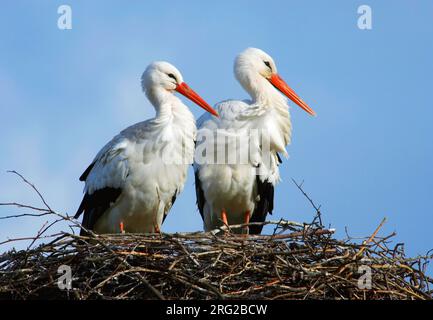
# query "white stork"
(133, 181)
(236, 193)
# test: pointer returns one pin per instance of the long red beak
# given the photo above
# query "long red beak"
(281, 85)
(184, 89)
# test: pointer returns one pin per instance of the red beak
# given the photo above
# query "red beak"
(281, 85)
(185, 90)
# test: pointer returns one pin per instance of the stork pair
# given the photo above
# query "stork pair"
(128, 188)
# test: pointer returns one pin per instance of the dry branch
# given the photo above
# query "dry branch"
(297, 261)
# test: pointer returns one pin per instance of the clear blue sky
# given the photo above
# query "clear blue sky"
(368, 154)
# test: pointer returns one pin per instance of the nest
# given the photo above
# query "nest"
(297, 261)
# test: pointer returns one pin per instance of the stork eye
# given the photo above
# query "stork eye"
(172, 76)
(268, 64)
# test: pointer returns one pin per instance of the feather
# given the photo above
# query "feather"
(86, 173)
(199, 194)
(168, 207)
(94, 206)
(265, 205)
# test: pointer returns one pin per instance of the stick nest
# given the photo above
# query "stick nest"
(297, 261)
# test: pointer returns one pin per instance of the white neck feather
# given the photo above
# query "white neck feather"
(176, 120)
(270, 110)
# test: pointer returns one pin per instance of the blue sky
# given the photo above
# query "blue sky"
(368, 154)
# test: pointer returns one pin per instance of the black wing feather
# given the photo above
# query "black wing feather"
(94, 205)
(86, 172)
(199, 194)
(173, 199)
(279, 158)
(264, 206)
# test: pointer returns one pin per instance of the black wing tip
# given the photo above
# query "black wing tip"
(78, 213)
(82, 206)
(173, 199)
(94, 205)
(279, 158)
(265, 205)
(255, 229)
(86, 172)
(199, 194)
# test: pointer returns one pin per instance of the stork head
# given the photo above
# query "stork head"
(161, 78)
(255, 70)
(161, 74)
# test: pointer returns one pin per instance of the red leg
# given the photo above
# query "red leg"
(224, 217)
(122, 227)
(247, 220)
